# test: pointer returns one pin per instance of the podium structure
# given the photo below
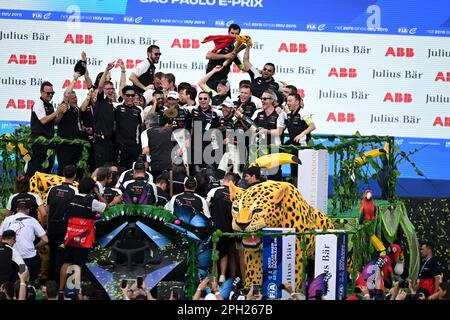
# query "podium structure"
(312, 180)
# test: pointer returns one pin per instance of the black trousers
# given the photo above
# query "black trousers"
(56, 256)
(38, 156)
(103, 151)
(67, 154)
(126, 154)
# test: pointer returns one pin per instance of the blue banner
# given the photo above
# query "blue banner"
(406, 17)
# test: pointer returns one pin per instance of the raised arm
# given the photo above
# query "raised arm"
(247, 64)
(69, 88)
(203, 80)
(86, 74)
(101, 83)
(123, 78)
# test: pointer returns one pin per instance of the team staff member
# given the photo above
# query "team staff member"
(189, 198)
(104, 119)
(204, 118)
(220, 208)
(217, 59)
(299, 125)
(135, 187)
(80, 235)
(261, 81)
(70, 127)
(42, 123)
(33, 201)
(129, 119)
(270, 125)
(58, 200)
(143, 76)
(26, 228)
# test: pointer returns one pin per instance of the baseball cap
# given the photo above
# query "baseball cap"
(80, 67)
(173, 94)
(210, 296)
(227, 103)
(190, 182)
(224, 82)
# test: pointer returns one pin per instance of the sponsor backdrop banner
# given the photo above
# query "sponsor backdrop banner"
(278, 263)
(380, 68)
(331, 258)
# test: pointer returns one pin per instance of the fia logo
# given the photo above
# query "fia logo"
(272, 291)
(37, 15)
(311, 26)
(402, 30)
(220, 23)
(128, 19)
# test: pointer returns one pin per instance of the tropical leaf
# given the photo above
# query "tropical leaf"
(413, 244)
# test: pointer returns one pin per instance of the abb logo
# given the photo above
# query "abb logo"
(438, 122)
(301, 92)
(400, 52)
(129, 63)
(235, 69)
(79, 39)
(22, 59)
(293, 47)
(398, 97)
(185, 43)
(20, 104)
(341, 117)
(78, 84)
(442, 77)
(343, 73)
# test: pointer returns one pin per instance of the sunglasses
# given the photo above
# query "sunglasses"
(129, 95)
(157, 54)
(50, 93)
(268, 70)
(264, 98)
(202, 98)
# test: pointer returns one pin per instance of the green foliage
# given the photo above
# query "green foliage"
(13, 163)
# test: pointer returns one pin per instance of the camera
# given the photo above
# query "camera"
(123, 283)
(140, 281)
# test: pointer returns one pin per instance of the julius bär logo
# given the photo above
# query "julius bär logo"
(293, 47)
(341, 117)
(400, 52)
(343, 72)
(129, 63)
(442, 122)
(185, 43)
(22, 59)
(79, 38)
(20, 104)
(441, 76)
(398, 97)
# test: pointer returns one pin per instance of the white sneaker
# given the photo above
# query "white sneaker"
(222, 278)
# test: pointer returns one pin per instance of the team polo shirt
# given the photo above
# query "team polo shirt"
(220, 209)
(10, 259)
(223, 73)
(297, 122)
(159, 141)
(145, 72)
(32, 200)
(181, 121)
(209, 118)
(259, 84)
(40, 110)
(128, 175)
(70, 126)
(104, 116)
(189, 199)
(249, 107)
(134, 188)
(128, 123)
(58, 200)
(269, 122)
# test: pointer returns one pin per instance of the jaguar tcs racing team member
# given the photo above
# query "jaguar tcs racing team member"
(80, 235)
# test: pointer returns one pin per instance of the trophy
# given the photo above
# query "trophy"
(242, 42)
